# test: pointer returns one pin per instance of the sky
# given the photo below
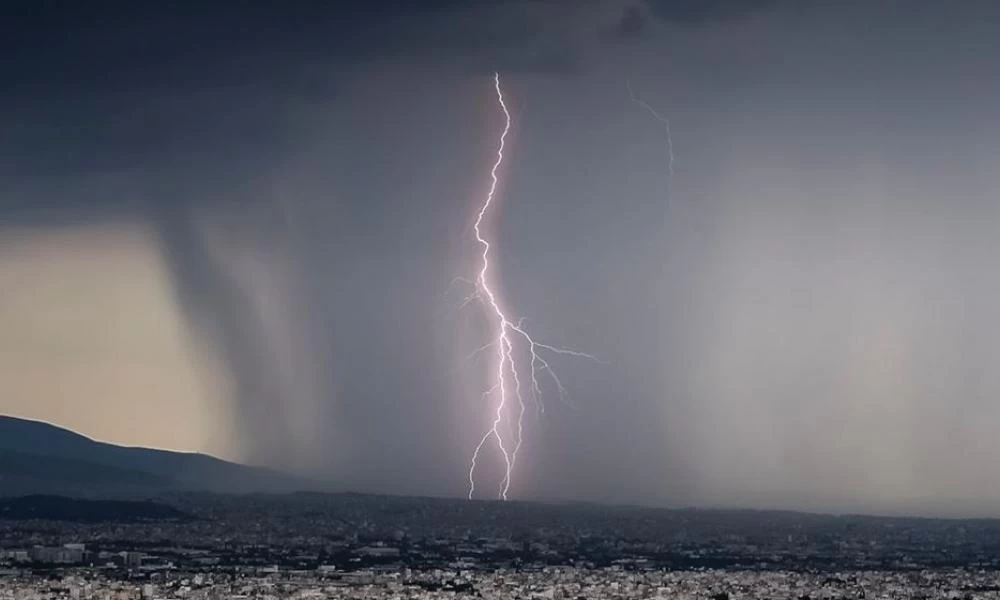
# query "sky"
(237, 227)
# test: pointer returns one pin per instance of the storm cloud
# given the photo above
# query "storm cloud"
(802, 317)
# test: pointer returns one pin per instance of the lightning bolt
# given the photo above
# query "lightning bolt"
(661, 119)
(510, 335)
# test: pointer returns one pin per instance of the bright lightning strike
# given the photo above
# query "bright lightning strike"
(509, 335)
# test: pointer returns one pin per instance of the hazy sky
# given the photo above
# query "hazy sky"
(235, 228)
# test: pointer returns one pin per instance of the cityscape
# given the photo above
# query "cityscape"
(312, 545)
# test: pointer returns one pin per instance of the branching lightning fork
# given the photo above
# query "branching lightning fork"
(509, 337)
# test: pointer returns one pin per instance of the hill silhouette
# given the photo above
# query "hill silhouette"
(40, 458)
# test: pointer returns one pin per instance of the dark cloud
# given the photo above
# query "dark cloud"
(631, 24)
(112, 42)
(635, 19)
(694, 12)
(109, 84)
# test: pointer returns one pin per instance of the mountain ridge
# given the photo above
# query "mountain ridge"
(40, 457)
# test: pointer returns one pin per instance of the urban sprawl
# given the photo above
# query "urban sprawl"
(199, 546)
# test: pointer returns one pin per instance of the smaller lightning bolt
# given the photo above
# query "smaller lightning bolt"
(661, 119)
